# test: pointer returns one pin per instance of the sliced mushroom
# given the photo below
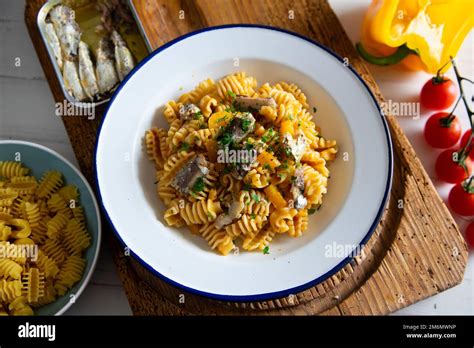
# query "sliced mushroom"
(188, 112)
(187, 176)
(244, 103)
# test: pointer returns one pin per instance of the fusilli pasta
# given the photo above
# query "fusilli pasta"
(238, 163)
(45, 217)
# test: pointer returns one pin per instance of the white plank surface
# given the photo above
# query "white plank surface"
(27, 113)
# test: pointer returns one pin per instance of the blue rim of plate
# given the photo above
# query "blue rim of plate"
(281, 293)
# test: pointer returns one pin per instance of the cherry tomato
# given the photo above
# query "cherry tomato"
(464, 140)
(438, 93)
(469, 235)
(442, 131)
(461, 198)
(450, 171)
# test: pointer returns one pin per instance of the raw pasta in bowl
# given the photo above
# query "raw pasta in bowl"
(48, 237)
(240, 163)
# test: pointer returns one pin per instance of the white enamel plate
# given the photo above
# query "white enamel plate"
(346, 111)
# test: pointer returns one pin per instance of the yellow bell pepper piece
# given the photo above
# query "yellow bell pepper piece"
(274, 196)
(220, 119)
(287, 126)
(431, 29)
(267, 158)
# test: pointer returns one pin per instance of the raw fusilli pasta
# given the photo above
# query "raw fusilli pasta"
(45, 217)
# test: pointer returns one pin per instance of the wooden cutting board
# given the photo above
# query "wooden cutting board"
(416, 251)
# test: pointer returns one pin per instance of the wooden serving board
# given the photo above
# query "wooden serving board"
(416, 251)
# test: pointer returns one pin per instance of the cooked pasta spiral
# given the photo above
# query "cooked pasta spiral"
(240, 163)
(217, 239)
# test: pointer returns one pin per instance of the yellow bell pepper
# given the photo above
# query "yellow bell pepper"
(267, 158)
(274, 196)
(220, 119)
(422, 34)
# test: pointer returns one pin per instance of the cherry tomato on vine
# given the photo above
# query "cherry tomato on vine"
(464, 140)
(438, 93)
(442, 130)
(469, 235)
(449, 167)
(461, 198)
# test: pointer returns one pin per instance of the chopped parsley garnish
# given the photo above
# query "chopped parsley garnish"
(198, 185)
(247, 202)
(315, 109)
(269, 134)
(198, 115)
(284, 165)
(226, 170)
(246, 124)
(255, 197)
(196, 138)
(230, 109)
(246, 187)
(293, 178)
(184, 147)
(209, 215)
(267, 166)
(223, 118)
(231, 94)
(225, 139)
(266, 250)
(291, 117)
(252, 216)
(248, 145)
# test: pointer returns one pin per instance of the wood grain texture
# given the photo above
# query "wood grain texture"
(415, 252)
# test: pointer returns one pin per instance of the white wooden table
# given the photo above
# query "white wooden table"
(27, 113)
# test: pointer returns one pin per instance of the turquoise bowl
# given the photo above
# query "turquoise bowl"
(40, 159)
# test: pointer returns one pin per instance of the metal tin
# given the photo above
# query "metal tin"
(41, 22)
(140, 25)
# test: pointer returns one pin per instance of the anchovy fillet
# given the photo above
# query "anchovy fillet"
(105, 70)
(71, 80)
(53, 41)
(67, 30)
(123, 57)
(86, 72)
